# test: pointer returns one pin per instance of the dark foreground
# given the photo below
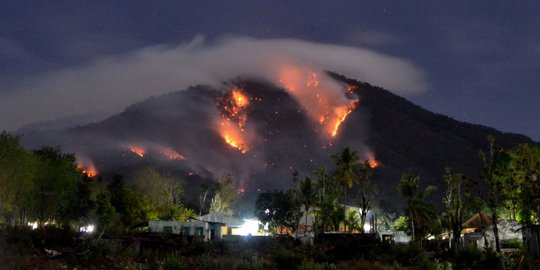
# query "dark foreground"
(53, 248)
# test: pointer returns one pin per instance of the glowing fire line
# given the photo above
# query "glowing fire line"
(347, 110)
(234, 144)
(234, 117)
(137, 150)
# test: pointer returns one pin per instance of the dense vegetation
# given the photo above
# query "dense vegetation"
(44, 189)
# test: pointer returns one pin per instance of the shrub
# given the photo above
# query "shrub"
(204, 261)
(94, 254)
(249, 259)
(512, 243)
(284, 258)
(174, 261)
(470, 257)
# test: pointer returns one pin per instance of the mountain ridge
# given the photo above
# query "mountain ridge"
(401, 134)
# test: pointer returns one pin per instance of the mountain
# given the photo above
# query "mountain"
(181, 133)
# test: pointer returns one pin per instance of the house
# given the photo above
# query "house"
(192, 227)
(398, 237)
(232, 226)
(476, 228)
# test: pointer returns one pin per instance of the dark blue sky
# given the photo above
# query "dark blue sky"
(481, 59)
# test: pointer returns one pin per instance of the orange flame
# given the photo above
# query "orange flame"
(341, 115)
(234, 117)
(373, 163)
(172, 155)
(324, 99)
(239, 98)
(137, 150)
(89, 169)
(234, 105)
(233, 137)
(91, 172)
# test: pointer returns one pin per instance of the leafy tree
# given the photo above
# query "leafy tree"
(496, 165)
(162, 191)
(524, 187)
(219, 205)
(421, 214)
(225, 197)
(55, 182)
(306, 194)
(181, 213)
(323, 185)
(297, 211)
(203, 193)
(132, 207)
(388, 213)
(345, 176)
(454, 200)
(276, 209)
(402, 223)
(104, 212)
(337, 215)
(352, 221)
(77, 206)
(327, 210)
(17, 172)
(367, 190)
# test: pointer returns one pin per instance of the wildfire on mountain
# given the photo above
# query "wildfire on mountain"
(233, 107)
(324, 100)
(341, 114)
(88, 169)
(373, 163)
(137, 150)
(172, 155)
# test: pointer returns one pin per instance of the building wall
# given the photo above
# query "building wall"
(190, 228)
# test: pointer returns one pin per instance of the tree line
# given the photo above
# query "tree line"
(45, 186)
(508, 188)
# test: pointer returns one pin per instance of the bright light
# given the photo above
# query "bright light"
(250, 226)
(33, 225)
(367, 227)
(87, 229)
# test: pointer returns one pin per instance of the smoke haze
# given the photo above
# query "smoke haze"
(110, 84)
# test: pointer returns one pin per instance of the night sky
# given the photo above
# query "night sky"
(480, 60)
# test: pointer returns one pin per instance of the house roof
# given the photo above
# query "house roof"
(220, 218)
(476, 222)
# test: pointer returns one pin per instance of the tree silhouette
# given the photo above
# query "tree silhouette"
(496, 163)
(419, 211)
(345, 176)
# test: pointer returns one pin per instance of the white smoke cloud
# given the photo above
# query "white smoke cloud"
(112, 83)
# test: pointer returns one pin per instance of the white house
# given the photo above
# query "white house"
(232, 226)
(193, 227)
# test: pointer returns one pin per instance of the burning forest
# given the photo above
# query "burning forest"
(246, 128)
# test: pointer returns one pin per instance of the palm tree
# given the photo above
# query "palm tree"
(308, 195)
(420, 212)
(323, 184)
(345, 161)
(352, 220)
(326, 199)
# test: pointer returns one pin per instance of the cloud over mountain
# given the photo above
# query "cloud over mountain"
(114, 82)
